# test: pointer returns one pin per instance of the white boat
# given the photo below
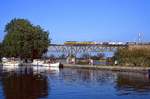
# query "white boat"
(42, 63)
(44, 68)
(51, 64)
(37, 62)
(11, 65)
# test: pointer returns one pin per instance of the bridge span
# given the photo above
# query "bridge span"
(85, 48)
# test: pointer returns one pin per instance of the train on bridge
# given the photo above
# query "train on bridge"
(103, 43)
(95, 43)
(76, 47)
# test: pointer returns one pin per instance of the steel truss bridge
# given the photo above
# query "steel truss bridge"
(76, 49)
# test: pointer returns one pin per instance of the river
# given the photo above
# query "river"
(67, 83)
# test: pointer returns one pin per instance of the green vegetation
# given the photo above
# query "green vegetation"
(0, 51)
(133, 57)
(98, 56)
(85, 58)
(24, 40)
(83, 62)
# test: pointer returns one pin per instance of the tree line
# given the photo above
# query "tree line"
(24, 40)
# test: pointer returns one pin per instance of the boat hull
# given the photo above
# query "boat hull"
(46, 64)
(44, 68)
(10, 66)
(52, 65)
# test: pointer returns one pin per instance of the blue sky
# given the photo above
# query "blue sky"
(82, 20)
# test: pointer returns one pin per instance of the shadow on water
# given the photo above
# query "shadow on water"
(24, 84)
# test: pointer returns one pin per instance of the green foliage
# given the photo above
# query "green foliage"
(25, 40)
(98, 56)
(1, 50)
(85, 56)
(133, 57)
(63, 56)
(83, 62)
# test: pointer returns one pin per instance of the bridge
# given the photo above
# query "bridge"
(84, 48)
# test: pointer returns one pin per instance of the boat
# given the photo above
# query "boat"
(45, 69)
(37, 62)
(44, 64)
(51, 64)
(10, 64)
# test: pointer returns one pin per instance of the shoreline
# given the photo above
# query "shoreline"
(111, 68)
(137, 69)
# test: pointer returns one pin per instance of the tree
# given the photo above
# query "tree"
(63, 56)
(25, 40)
(1, 50)
(98, 56)
(85, 56)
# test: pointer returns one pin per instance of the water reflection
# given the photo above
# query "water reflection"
(87, 76)
(132, 83)
(24, 85)
(30, 83)
(124, 83)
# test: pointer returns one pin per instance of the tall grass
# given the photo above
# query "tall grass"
(133, 57)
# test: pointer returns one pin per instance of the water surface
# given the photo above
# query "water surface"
(28, 83)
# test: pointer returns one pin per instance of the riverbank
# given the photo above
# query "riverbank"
(112, 68)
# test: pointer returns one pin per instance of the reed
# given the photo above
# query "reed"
(133, 57)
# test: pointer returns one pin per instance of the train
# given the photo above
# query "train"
(93, 43)
(103, 43)
(79, 43)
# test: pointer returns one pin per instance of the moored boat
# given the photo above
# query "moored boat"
(10, 64)
(44, 69)
(51, 64)
(37, 62)
(46, 64)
